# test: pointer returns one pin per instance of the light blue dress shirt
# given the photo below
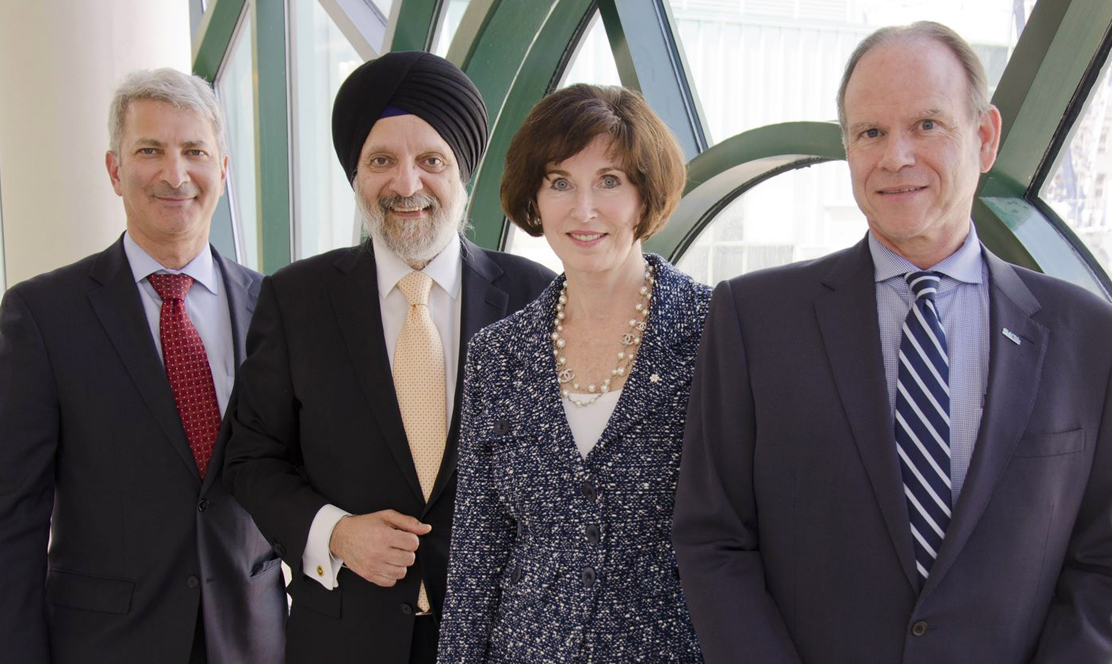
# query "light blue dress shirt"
(962, 302)
(206, 304)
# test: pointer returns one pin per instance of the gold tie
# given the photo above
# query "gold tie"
(419, 382)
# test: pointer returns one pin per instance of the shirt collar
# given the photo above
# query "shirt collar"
(963, 265)
(444, 269)
(202, 268)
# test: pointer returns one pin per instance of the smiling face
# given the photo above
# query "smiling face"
(914, 150)
(589, 210)
(170, 175)
(408, 188)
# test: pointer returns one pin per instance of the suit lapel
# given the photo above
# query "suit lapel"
(657, 370)
(483, 303)
(120, 311)
(1013, 383)
(242, 292)
(847, 318)
(354, 297)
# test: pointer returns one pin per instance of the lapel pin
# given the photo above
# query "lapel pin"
(1011, 335)
(655, 378)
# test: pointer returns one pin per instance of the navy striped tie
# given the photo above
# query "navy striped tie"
(923, 420)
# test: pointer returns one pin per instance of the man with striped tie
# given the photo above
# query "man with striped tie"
(902, 452)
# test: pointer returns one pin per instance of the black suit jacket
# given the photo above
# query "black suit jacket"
(317, 422)
(791, 524)
(93, 454)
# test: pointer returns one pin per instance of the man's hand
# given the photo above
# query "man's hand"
(379, 546)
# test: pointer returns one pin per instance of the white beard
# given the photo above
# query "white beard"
(415, 241)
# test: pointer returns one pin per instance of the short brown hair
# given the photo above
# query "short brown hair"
(565, 122)
(975, 78)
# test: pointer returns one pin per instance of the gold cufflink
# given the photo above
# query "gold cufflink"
(320, 571)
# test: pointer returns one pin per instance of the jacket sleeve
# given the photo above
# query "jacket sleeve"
(482, 531)
(263, 456)
(715, 524)
(1078, 626)
(29, 431)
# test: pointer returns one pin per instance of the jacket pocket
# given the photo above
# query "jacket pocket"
(91, 593)
(307, 593)
(264, 566)
(1051, 444)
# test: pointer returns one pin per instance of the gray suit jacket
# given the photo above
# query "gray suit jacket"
(791, 524)
(92, 453)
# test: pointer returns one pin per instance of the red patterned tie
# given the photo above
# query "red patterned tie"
(187, 367)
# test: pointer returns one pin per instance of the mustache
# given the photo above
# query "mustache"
(185, 191)
(419, 200)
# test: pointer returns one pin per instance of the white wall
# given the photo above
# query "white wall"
(60, 60)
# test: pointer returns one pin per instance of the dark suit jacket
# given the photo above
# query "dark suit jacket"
(317, 422)
(523, 539)
(89, 429)
(791, 523)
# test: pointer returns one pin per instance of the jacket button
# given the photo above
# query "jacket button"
(593, 534)
(919, 628)
(587, 576)
(588, 491)
(279, 549)
(407, 609)
(502, 427)
(515, 575)
(192, 581)
(202, 504)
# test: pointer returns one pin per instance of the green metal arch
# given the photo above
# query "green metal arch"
(540, 65)
(1036, 94)
(730, 168)
(515, 50)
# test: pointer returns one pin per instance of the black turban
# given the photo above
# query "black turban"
(416, 82)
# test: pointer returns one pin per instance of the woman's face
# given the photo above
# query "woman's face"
(589, 209)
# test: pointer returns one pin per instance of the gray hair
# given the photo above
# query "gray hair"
(184, 91)
(976, 80)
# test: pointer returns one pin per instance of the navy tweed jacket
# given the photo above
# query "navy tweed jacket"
(555, 558)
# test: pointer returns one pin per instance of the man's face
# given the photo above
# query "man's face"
(915, 152)
(169, 172)
(408, 188)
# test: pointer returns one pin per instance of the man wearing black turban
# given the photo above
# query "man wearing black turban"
(333, 465)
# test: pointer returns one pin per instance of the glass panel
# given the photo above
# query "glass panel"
(450, 17)
(759, 62)
(593, 63)
(324, 207)
(384, 6)
(1078, 192)
(235, 89)
(797, 215)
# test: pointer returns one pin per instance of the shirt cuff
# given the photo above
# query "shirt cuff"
(317, 561)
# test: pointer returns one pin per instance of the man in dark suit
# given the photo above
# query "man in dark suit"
(114, 372)
(343, 442)
(902, 452)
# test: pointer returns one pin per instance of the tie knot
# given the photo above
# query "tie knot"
(923, 284)
(415, 286)
(171, 286)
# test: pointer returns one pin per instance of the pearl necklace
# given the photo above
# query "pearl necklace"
(631, 340)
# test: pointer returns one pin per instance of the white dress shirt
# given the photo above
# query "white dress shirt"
(206, 304)
(963, 307)
(445, 308)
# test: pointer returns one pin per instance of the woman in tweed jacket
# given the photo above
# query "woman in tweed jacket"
(574, 408)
